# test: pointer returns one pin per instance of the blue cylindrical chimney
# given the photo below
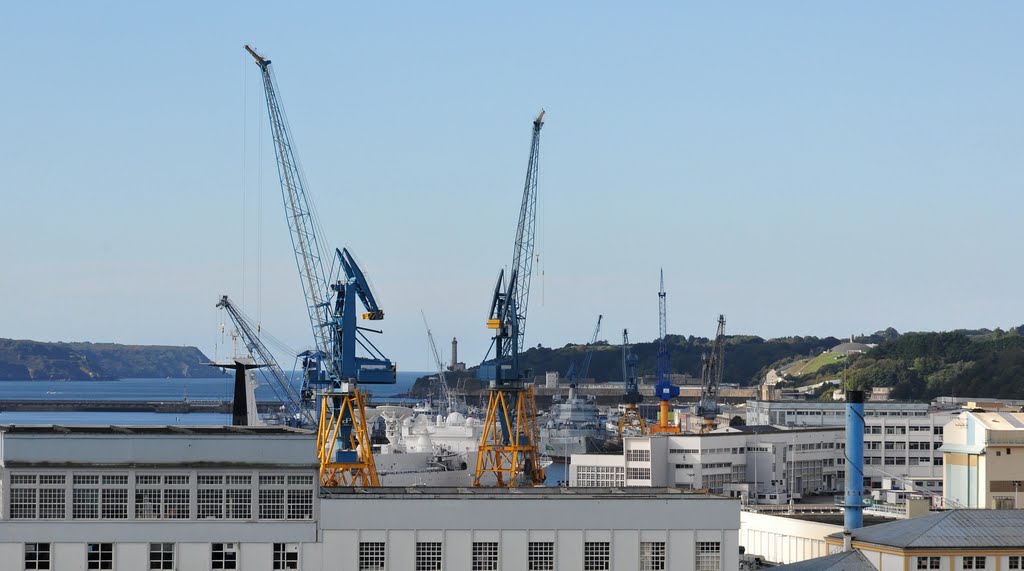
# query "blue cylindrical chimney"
(853, 517)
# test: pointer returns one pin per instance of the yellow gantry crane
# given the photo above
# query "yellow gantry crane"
(508, 454)
(333, 369)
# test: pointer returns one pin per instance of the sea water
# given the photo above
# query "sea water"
(193, 389)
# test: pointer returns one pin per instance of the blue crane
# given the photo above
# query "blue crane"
(712, 368)
(574, 373)
(631, 420)
(664, 390)
(508, 446)
(343, 441)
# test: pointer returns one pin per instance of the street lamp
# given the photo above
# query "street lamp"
(1016, 490)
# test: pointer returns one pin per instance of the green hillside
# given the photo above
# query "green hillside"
(921, 366)
(35, 360)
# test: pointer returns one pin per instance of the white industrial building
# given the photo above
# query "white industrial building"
(199, 499)
(984, 454)
(901, 439)
(779, 464)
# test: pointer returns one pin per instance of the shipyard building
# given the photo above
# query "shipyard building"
(901, 439)
(984, 460)
(199, 499)
(777, 464)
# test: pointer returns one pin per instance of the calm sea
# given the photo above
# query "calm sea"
(218, 388)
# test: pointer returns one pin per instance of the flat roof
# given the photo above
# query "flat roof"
(538, 492)
(838, 404)
(1000, 420)
(150, 430)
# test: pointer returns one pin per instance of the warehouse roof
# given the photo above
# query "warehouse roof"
(966, 529)
(844, 561)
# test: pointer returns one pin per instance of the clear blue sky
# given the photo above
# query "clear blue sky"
(804, 168)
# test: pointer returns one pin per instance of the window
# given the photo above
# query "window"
(237, 502)
(114, 502)
(596, 555)
(271, 504)
(161, 556)
(162, 496)
(975, 562)
(928, 563)
(708, 556)
(638, 473)
(600, 476)
(99, 556)
(300, 504)
(485, 556)
(371, 556)
(1014, 562)
(37, 556)
(286, 556)
(51, 502)
(652, 556)
(641, 455)
(176, 503)
(209, 502)
(541, 556)
(428, 556)
(223, 556)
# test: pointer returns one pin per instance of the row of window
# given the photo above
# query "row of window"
(600, 476)
(843, 413)
(373, 556)
(969, 562)
(540, 556)
(638, 455)
(903, 460)
(100, 556)
(161, 496)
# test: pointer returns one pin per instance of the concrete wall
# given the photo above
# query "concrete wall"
(783, 540)
(283, 450)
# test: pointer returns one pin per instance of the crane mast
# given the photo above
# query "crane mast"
(281, 386)
(343, 436)
(711, 380)
(508, 446)
(631, 421)
(664, 390)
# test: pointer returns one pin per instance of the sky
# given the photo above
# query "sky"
(804, 168)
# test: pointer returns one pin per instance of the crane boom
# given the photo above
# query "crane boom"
(522, 256)
(664, 361)
(282, 388)
(302, 222)
(711, 379)
(575, 373)
(446, 392)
